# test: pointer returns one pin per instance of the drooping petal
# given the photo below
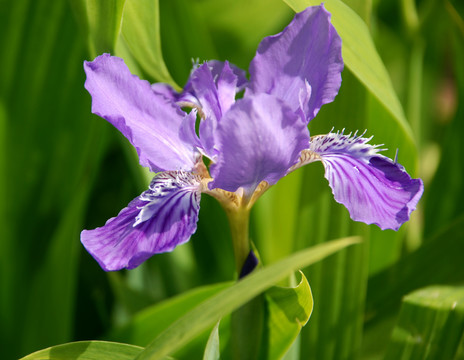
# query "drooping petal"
(157, 221)
(165, 90)
(302, 64)
(374, 189)
(260, 138)
(148, 120)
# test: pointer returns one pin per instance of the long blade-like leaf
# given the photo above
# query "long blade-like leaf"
(87, 350)
(210, 311)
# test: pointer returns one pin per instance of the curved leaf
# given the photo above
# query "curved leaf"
(87, 350)
(155, 319)
(212, 347)
(211, 310)
(430, 325)
(141, 32)
(102, 21)
(289, 310)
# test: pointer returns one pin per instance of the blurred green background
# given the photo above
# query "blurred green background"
(63, 169)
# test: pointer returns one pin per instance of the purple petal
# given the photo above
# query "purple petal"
(214, 84)
(374, 189)
(157, 221)
(165, 90)
(302, 65)
(148, 120)
(260, 138)
(215, 92)
(187, 131)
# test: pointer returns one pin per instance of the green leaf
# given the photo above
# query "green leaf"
(87, 350)
(101, 21)
(211, 310)
(212, 346)
(413, 271)
(247, 329)
(430, 325)
(152, 321)
(289, 310)
(48, 128)
(141, 32)
(387, 288)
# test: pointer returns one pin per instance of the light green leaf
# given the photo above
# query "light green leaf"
(430, 325)
(212, 346)
(101, 21)
(211, 310)
(141, 32)
(361, 57)
(87, 350)
(152, 321)
(289, 310)
(413, 271)
(48, 127)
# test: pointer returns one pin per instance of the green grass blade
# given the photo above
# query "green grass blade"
(141, 31)
(87, 350)
(102, 22)
(50, 156)
(210, 311)
(152, 321)
(430, 325)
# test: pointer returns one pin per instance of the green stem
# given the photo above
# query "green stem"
(246, 321)
(239, 219)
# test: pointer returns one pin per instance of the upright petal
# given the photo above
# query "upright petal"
(374, 189)
(260, 138)
(157, 221)
(302, 65)
(150, 121)
(214, 85)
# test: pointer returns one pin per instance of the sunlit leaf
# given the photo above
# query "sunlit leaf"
(87, 350)
(104, 19)
(212, 346)
(415, 271)
(430, 325)
(289, 310)
(210, 311)
(141, 31)
(152, 321)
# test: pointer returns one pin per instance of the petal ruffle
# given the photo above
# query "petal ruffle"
(260, 138)
(148, 120)
(374, 189)
(302, 65)
(157, 221)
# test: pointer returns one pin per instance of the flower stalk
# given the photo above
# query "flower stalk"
(239, 219)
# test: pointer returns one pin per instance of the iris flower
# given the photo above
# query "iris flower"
(248, 142)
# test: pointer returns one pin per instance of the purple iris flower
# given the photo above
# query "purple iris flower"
(250, 141)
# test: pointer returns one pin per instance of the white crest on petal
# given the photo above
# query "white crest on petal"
(355, 144)
(164, 184)
(339, 142)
